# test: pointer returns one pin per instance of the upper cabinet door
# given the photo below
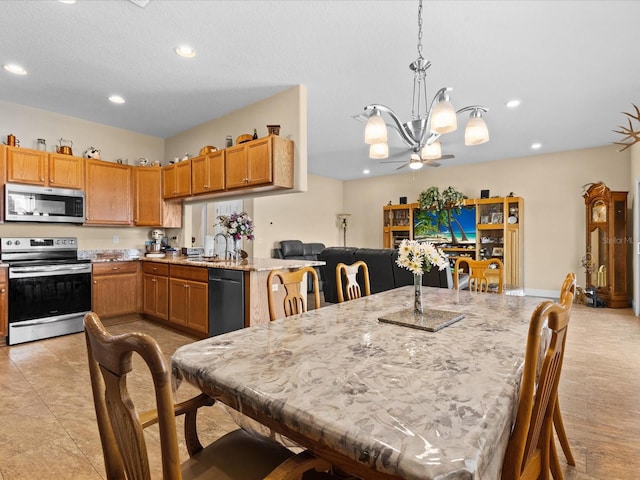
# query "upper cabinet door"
(236, 171)
(207, 173)
(26, 166)
(108, 193)
(259, 161)
(66, 171)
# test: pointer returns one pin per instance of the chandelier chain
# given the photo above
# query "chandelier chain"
(420, 29)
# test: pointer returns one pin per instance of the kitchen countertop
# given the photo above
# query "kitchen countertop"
(246, 265)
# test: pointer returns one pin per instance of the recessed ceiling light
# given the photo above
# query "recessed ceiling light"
(366, 171)
(15, 69)
(116, 99)
(185, 51)
(536, 146)
(513, 103)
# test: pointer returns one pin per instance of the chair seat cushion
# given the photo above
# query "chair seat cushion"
(240, 455)
(236, 455)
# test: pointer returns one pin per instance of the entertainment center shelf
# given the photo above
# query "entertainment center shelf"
(484, 228)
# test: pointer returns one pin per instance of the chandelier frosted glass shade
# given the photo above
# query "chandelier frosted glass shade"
(379, 151)
(476, 131)
(443, 117)
(376, 130)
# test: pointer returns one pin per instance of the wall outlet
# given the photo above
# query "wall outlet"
(274, 287)
(116, 239)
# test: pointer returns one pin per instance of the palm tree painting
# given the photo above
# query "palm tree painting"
(444, 218)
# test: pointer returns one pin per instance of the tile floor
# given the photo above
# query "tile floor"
(47, 422)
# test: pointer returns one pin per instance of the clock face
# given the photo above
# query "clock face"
(599, 212)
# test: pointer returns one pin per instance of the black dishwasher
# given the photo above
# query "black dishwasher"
(226, 300)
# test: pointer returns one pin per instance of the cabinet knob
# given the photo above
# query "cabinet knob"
(205, 186)
(153, 280)
(3, 290)
(95, 282)
(115, 268)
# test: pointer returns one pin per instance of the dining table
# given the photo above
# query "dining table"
(379, 398)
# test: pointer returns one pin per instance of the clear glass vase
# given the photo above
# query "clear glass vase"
(417, 292)
(237, 251)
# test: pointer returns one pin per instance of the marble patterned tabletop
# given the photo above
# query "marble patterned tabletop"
(406, 402)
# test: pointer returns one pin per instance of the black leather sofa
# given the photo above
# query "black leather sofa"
(296, 250)
(384, 273)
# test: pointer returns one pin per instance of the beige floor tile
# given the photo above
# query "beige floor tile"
(48, 429)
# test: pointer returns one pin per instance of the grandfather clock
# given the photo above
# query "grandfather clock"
(607, 244)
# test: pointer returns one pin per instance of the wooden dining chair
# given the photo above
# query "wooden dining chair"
(568, 286)
(295, 297)
(480, 273)
(236, 455)
(351, 286)
(529, 451)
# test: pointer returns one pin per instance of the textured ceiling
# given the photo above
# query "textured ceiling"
(572, 63)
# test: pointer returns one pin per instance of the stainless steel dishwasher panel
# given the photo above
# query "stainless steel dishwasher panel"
(226, 300)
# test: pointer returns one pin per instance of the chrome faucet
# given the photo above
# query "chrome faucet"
(226, 245)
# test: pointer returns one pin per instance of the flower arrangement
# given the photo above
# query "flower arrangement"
(237, 225)
(419, 257)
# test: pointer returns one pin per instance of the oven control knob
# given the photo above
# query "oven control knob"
(64, 242)
(17, 242)
(9, 242)
(58, 242)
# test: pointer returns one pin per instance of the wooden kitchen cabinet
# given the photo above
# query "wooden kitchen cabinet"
(266, 161)
(34, 167)
(115, 288)
(66, 171)
(189, 298)
(26, 166)
(108, 193)
(207, 173)
(155, 290)
(176, 180)
(149, 209)
(4, 304)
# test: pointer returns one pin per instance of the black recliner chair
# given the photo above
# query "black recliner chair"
(296, 250)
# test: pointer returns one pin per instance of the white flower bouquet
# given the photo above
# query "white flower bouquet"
(419, 257)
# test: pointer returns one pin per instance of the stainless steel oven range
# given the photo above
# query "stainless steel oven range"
(49, 287)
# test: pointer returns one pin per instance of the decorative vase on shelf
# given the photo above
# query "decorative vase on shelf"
(417, 291)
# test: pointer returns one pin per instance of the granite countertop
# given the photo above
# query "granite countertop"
(246, 265)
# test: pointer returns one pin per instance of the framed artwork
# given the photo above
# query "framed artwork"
(460, 229)
(497, 252)
(497, 217)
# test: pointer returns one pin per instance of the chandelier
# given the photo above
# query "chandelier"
(428, 121)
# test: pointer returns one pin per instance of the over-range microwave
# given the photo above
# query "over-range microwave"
(29, 203)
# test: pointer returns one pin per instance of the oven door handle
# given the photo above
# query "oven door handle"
(22, 272)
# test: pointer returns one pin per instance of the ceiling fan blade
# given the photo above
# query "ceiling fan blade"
(430, 163)
(444, 157)
(402, 166)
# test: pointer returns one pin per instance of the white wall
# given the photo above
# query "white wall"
(551, 185)
(309, 216)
